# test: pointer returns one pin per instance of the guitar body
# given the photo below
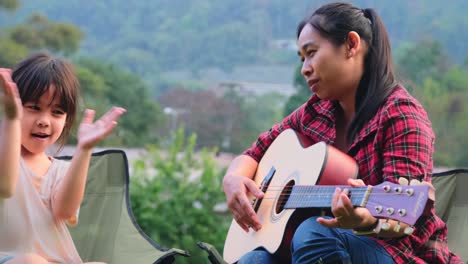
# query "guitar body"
(288, 161)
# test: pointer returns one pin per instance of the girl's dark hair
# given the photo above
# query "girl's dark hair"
(334, 21)
(35, 75)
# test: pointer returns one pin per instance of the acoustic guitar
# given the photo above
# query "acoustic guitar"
(295, 178)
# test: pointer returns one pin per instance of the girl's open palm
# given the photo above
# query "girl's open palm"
(90, 133)
(9, 96)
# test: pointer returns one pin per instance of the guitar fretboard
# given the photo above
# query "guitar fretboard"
(319, 196)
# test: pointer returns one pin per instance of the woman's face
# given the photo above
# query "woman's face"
(330, 71)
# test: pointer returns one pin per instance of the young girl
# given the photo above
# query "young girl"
(39, 194)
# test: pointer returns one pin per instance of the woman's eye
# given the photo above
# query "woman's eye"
(310, 53)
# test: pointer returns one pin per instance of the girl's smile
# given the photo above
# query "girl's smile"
(43, 122)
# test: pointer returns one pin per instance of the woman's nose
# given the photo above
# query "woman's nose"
(306, 69)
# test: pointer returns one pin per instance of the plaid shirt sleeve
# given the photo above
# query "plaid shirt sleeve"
(408, 142)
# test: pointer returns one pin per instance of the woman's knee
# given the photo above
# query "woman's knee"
(305, 230)
(257, 257)
(29, 258)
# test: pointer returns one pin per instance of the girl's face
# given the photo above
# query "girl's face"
(42, 123)
(328, 70)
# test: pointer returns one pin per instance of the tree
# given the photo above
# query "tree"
(445, 101)
(38, 33)
(204, 113)
(105, 85)
(9, 5)
(302, 95)
(420, 60)
(35, 34)
(175, 193)
(11, 52)
(226, 115)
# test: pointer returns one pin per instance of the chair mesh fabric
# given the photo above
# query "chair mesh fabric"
(106, 229)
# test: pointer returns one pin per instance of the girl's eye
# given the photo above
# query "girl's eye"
(58, 112)
(33, 107)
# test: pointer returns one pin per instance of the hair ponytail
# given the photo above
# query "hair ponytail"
(378, 80)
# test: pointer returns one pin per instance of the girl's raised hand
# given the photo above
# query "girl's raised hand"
(90, 133)
(9, 96)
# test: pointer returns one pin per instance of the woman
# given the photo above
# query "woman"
(359, 108)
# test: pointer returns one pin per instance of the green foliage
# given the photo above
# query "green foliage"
(445, 101)
(152, 36)
(174, 193)
(231, 120)
(259, 112)
(9, 5)
(442, 87)
(38, 33)
(102, 85)
(35, 34)
(302, 95)
(11, 52)
(105, 85)
(420, 60)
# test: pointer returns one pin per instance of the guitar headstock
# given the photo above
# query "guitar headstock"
(404, 203)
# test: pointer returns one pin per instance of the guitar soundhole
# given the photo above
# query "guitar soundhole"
(284, 196)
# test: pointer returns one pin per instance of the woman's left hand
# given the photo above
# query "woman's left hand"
(90, 133)
(346, 215)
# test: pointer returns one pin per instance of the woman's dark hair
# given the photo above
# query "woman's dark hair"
(35, 75)
(334, 21)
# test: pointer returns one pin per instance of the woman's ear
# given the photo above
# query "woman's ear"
(353, 43)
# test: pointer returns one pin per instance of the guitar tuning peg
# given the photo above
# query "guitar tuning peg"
(397, 227)
(386, 226)
(415, 182)
(402, 181)
(408, 231)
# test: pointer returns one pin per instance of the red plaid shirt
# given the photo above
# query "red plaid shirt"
(397, 142)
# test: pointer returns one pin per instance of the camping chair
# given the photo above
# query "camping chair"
(451, 204)
(106, 229)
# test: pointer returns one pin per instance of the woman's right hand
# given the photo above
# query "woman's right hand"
(236, 189)
(9, 96)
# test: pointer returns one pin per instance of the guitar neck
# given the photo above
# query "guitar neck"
(317, 196)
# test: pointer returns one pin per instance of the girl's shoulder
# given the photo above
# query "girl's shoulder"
(60, 162)
(58, 168)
